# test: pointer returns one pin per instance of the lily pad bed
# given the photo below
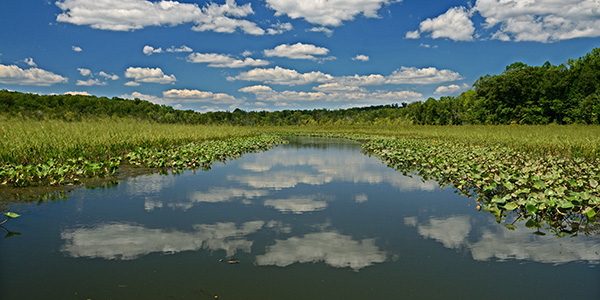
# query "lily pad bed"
(503, 179)
(193, 155)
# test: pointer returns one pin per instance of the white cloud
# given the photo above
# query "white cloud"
(296, 51)
(76, 48)
(327, 13)
(279, 75)
(77, 93)
(413, 34)
(149, 75)
(431, 75)
(451, 89)
(256, 89)
(127, 15)
(90, 82)
(455, 24)
(324, 30)
(405, 75)
(149, 50)
(183, 48)
(84, 71)
(13, 74)
(108, 76)
(279, 28)
(29, 61)
(541, 20)
(132, 83)
(225, 61)
(141, 96)
(361, 57)
(192, 96)
(336, 250)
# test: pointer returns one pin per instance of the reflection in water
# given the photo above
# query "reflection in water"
(325, 169)
(334, 249)
(298, 205)
(502, 244)
(282, 179)
(126, 241)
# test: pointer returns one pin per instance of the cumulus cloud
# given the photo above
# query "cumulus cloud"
(451, 89)
(149, 50)
(455, 24)
(77, 93)
(84, 71)
(225, 61)
(361, 57)
(149, 75)
(279, 75)
(29, 61)
(327, 13)
(127, 15)
(90, 82)
(191, 96)
(279, 28)
(76, 48)
(12, 74)
(108, 76)
(296, 51)
(331, 93)
(183, 48)
(404, 75)
(511, 20)
(541, 20)
(325, 30)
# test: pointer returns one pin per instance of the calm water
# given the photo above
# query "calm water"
(315, 219)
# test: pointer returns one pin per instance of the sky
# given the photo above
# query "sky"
(282, 54)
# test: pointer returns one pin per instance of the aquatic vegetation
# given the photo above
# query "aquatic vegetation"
(189, 156)
(201, 155)
(9, 215)
(545, 188)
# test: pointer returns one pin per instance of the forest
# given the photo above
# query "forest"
(568, 93)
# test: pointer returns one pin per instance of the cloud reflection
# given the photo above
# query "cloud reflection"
(496, 242)
(326, 166)
(127, 241)
(336, 250)
(298, 205)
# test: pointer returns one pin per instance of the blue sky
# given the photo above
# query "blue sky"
(282, 54)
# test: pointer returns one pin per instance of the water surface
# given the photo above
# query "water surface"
(315, 219)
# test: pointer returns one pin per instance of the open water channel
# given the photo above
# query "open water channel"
(314, 219)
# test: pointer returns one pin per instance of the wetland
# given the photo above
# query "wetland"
(313, 218)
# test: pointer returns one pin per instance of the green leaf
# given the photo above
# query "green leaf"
(593, 183)
(510, 206)
(11, 215)
(510, 227)
(532, 209)
(590, 214)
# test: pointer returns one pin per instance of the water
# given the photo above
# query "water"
(315, 219)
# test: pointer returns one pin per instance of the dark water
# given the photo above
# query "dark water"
(315, 219)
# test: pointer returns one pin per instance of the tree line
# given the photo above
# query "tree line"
(522, 94)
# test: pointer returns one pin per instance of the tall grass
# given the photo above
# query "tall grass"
(30, 141)
(570, 140)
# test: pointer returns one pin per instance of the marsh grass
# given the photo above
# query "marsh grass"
(567, 140)
(31, 142)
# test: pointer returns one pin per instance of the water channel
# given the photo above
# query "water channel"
(313, 219)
